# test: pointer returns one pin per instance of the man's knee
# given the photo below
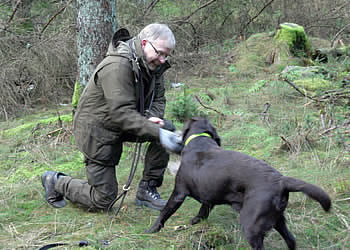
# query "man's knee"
(102, 199)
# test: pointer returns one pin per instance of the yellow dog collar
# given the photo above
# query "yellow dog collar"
(194, 136)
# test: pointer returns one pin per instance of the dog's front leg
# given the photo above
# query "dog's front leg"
(174, 202)
(202, 214)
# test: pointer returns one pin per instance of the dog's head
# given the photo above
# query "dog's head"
(199, 125)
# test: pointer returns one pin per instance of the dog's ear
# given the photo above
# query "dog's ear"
(212, 132)
(217, 138)
(186, 129)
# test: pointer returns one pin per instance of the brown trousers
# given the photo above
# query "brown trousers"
(101, 187)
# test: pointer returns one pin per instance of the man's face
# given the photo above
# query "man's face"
(155, 52)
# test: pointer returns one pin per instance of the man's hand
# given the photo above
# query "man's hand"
(165, 124)
(170, 141)
(156, 120)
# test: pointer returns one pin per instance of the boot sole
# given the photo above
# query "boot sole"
(147, 204)
(56, 204)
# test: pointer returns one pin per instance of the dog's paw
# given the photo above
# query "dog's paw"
(195, 220)
(153, 229)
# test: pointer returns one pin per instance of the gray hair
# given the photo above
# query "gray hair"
(156, 31)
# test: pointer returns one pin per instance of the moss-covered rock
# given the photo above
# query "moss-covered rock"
(294, 35)
(297, 72)
(262, 53)
(314, 84)
(312, 79)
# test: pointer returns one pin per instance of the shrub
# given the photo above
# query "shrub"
(183, 107)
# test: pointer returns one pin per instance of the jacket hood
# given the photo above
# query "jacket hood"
(126, 48)
(132, 49)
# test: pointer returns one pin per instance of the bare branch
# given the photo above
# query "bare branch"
(338, 33)
(226, 17)
(13, 14)
(55, 15)
(297, 89)
(258, 14)
(201, 103)
(329, 13)
(150, 7)
(183, 19)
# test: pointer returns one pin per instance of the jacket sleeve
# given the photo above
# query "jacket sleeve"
(159, 101)
(117, 81)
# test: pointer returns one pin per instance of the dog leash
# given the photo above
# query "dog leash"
(82, 243)
(191, 137)
(126, 187)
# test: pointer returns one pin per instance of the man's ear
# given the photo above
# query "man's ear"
(143, 43)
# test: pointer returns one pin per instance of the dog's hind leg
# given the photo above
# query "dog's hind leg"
(202, 214)
(255, 223)
(281, 227)
(255, 239)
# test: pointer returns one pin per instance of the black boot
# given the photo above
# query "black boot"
(147, 195)
(48, 179)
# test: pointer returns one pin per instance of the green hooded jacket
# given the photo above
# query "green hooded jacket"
(110, 103)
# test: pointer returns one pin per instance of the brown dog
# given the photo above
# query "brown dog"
(214, 176)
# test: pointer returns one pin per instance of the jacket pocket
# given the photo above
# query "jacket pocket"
(101, 145)
(104, 136)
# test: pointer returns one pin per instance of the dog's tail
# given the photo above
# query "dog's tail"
(295, 185)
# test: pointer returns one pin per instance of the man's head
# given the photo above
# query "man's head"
(157, 42)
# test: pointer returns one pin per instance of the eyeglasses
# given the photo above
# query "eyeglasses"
(159, 54)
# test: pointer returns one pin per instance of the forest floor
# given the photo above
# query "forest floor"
(299, 137)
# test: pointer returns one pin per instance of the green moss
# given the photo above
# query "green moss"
(314, 84)
(33, 170)
(29, 126)
(294, 35)
(76, 95)
(345, 50)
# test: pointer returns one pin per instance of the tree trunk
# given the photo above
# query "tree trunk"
(96, 24)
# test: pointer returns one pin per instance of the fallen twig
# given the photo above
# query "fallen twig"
(297, 89)
(345, 199)
(288, 144)
(54, 132)
(328, 130)
(340, 94)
